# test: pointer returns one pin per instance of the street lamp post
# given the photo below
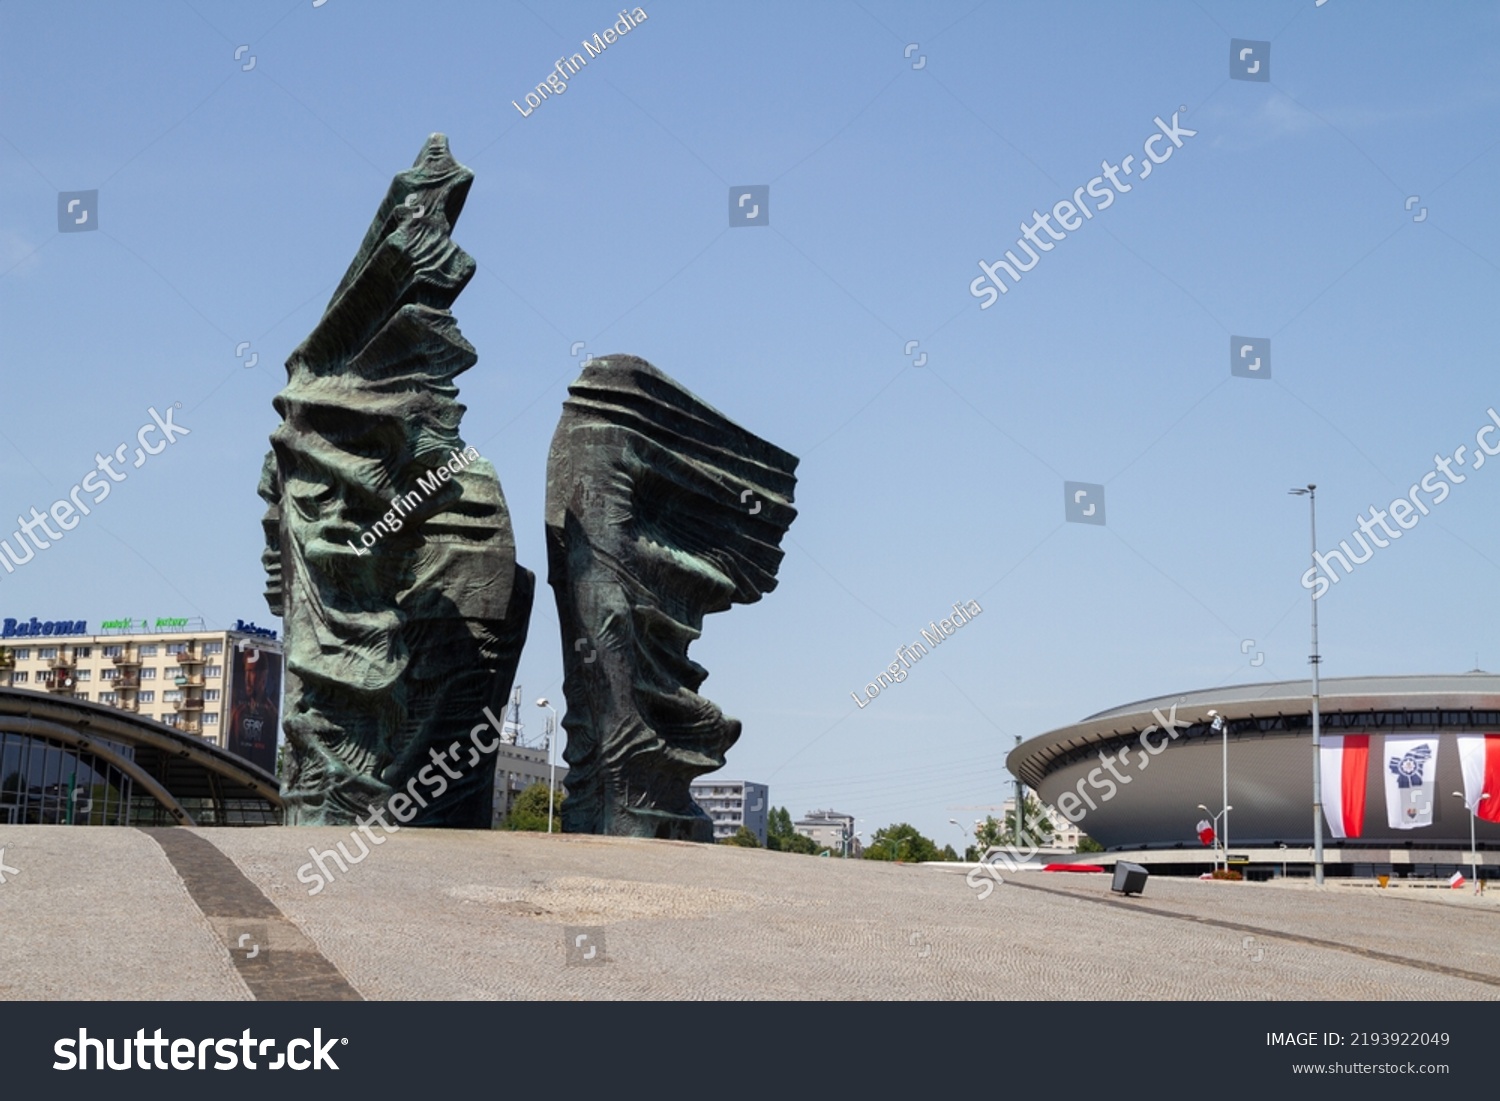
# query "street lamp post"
(1020, 806)
(551, 758)
(965, 833)
(850, 833)
(1222, 727)
(1215, 819)
(1473, 847)
(1311, 493)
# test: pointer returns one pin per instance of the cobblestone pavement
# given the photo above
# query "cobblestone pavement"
(107, 913)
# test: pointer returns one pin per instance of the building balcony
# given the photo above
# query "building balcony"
(130, 683)
(126, 661)
(189, 657)
(188, 681)
(188, 705)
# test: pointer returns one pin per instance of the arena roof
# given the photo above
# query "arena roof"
(1458, 695)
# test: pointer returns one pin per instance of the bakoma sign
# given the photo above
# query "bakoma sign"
(39, 628)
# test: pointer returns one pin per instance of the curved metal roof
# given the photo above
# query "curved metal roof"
(170, 765)
(1475, 691)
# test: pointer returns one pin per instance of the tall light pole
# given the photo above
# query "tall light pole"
(551, 758)
(893, 844)
(848, 834)
(1311, 493)
(1215, 817)
(965, 833)
(1473, 848)
(1020, 807)
(1222, 727)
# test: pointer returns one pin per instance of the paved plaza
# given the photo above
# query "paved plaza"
(115, 913)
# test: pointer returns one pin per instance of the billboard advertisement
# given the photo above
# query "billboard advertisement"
(254, 704)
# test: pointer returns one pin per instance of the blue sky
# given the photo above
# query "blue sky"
(231, 199)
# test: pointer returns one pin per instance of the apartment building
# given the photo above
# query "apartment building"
(221, 685)
(732, 804)
(832, 830)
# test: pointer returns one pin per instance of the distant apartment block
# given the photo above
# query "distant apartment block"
(1065, 834)
(517, 767)
(832, 830)
(732, 804)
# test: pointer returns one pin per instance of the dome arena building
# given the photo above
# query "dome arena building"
(1395, 752)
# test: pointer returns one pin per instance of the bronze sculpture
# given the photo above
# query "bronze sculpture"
(389, 551)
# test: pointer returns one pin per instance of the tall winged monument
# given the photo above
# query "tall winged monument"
(389, 549)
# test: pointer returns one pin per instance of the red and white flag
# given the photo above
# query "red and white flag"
(1206, 832)
(1344, 766)
(1479, 757)
(1456, 880)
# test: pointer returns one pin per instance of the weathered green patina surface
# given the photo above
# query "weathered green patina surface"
(659, 510)
(389, 551)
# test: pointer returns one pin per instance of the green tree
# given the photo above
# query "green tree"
(1037, 829)
(782, 835)
(744, 838)
(903, 842)
(987, 835)
(528, 811)
(779, 823)
(798, 843)
(1087, 844)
